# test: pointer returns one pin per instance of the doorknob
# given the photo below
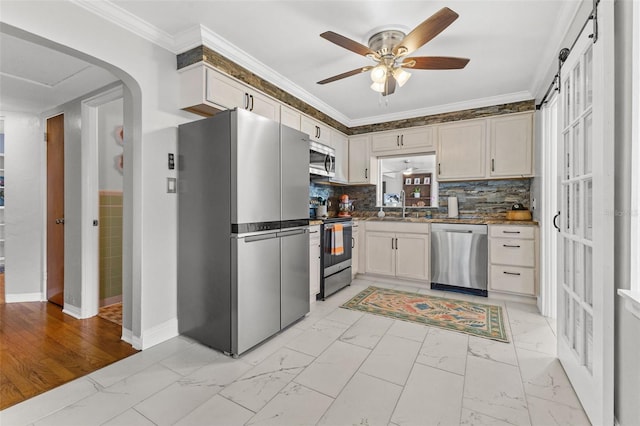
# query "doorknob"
(60, 221)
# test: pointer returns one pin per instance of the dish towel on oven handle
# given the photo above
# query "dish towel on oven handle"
(337, 240)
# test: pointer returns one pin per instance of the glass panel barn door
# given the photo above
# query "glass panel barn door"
(585, 187)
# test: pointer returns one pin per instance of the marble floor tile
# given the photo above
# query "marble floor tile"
(493, 350)
(367, 331)
(549, 413)
(430, 397)
(495, 389)
(294, 405)
(217, 411)
(318, 338)
(471, 418)
(544, 377)
(187, 361)
(365, 400)
(344, 316)
(49, 402)
(392, 359)
(539, 339)
(408, 330)
(183, 396)
(129, 418)
(257, 386)
(446, 350)
(117, 371)
(114, 400)
(333, 368)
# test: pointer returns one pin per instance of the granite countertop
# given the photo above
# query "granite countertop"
(488, 220)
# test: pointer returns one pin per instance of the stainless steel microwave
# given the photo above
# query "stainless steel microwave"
(322, 159)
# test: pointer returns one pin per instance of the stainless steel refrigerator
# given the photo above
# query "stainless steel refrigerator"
(243, 242)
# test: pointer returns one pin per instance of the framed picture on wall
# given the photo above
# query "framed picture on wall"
(427, 180)
(407, 181)
(416, 181)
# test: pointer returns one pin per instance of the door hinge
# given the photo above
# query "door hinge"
(46, 137)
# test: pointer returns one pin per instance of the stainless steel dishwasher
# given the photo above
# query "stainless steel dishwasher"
(459, 257)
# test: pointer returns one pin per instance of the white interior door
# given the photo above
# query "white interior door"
(585, 245)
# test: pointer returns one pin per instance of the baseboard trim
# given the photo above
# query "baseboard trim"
(157, 334)
(74, 311)
(127, 336)
(24, 297)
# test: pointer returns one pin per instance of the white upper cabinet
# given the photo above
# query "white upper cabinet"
(206, 91)
(405, 140)
(511, 145)
(340, 143)
(462, 150)
(361, 167)
(316, 130)
(290, 117)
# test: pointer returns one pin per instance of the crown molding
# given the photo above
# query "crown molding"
(201, 35)
(440, 109)
(118, 16)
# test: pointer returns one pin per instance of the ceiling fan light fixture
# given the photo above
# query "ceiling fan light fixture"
(379, 73)
(401, 76)
(378, 87)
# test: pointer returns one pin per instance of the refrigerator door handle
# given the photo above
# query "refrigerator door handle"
(260, 237)
(294, 232)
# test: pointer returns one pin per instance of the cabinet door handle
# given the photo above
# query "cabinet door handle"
(392, 243)
(510, 273)
(401, 140)
(510, 232)
(353, 242)
(439, 170)
(493, 165)
(397, 140)
(246, 101)
(366, 170)
(251, 97)
(510, 246)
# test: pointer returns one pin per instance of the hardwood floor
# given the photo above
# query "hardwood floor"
(41, 348)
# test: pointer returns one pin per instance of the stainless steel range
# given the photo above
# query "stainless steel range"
(335, 266)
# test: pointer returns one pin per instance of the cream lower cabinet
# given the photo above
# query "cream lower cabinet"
(513, 259)
(314, 261)
(398, 249)
(355, 249)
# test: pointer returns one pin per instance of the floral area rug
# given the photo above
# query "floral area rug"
(477, 319)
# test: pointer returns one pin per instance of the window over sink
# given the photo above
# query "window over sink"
(415, 174)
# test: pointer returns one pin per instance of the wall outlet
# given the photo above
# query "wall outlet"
(171, 185)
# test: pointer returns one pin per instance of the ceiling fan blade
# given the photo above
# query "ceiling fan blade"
(348, 44)
(390, 86)
(426, 31)
(434, 63)
(344, 75)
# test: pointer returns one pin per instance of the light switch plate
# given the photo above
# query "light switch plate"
(171, 185)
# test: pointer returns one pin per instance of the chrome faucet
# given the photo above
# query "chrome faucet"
(403, 198)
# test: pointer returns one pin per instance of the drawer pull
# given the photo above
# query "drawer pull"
(511, 273)
(510, 245)
(510, 232)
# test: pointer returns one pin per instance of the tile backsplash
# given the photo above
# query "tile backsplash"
(483, 196)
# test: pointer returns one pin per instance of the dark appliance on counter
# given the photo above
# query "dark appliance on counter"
(335, 269)
(459, 258)
(243, 229)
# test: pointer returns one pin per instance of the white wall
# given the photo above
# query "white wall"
(110, 119)
(149, 74)
(24, 249)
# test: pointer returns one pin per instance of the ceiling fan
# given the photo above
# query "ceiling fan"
(389, 49)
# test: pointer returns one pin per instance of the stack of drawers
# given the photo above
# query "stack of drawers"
(512, 259)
